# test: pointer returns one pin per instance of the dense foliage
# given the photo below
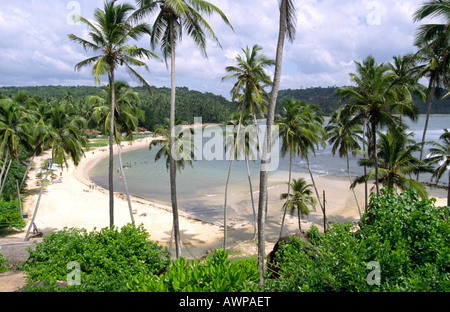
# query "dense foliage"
(216, 274)
(107, 259)
(403, 241)
(3, 260)
(10, 215)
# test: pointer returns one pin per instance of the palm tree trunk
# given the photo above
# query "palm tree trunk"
(111, 152)
(251, 194)
(288, 192)
(317, 194)
(375, 154)
(119, 154)
(448, 189)
(38, 201)
(225, 208)
(263, 196)
(6, 175)
(172, 164)
(366, 192)
(430, 103)
(4, 165)
(26, 172)
(353, 189)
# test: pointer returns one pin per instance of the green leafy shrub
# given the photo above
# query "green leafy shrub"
(216, 274)
(10, 215)
(407, 239)
(107, 259)
(3, 260)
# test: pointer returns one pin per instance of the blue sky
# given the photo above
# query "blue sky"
(35, 49)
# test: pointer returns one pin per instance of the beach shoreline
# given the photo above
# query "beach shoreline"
(77, 203)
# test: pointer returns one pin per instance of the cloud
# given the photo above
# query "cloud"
(330, 35)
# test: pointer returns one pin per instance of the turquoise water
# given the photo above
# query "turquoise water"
(200, 189)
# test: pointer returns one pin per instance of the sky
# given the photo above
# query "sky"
(330, 36)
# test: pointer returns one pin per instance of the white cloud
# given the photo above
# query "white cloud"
(330, 36)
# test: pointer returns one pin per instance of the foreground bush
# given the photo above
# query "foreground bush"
(216, 274)
(106, 259)
(10, 215)
(402, 244)
(3, 260)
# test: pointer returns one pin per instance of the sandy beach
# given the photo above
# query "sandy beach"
(73, 203)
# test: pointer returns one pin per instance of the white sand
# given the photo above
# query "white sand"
(72, 204)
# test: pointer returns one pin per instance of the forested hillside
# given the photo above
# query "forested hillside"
(191, 103)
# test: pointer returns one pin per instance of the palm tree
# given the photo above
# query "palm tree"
(433, 43)
(396, 162)
(286, 29)
(126, 120)
(184, 149)
(15, 127)
(344, 137)
(289, 125)
(300, 199)
(110, 35)
(65, 138)
(172, 18)
(237, 120)
(249, 90)
(372, 100)
(440, 154)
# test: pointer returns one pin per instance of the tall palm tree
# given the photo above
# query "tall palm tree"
(184, 149)
(64, 137)
(172, 17)
(127, 117)
(15, 127)
(433, 42)
(110, 34)
(396, 162)
(373, 100)
(300, 199)
(289, 125)
(249, 90)
(231, 145)
(344, 137)
(440, 154)
(287, 28)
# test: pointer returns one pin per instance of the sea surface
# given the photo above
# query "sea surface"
(200, 188)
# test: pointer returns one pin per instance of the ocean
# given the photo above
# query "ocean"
(200, 188)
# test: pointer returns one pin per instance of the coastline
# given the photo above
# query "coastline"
(73, 204)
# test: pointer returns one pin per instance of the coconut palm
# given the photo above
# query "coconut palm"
(301, 199)
(286, 29)
(174, 16)
(373, 100)
(440, 154)
(344, 137)
(15, 127)
(127, 117)
(110, 34)
(249, 90)
(396, 162)
(63, 135)
(245, 146)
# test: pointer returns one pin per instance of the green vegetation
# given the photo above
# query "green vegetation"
(407, 239)
(107, 259)
(10, 216)
(215, 274)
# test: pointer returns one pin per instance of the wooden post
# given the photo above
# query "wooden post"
(324, 215)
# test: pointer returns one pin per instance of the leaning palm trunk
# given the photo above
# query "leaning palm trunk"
(251, 194)
(172, 165)
(4, 178)
(4, 165)
(119, 154)
(353, 189)
(317, 194)
(430, 103)
(111, 152)
(225, 208)
(288, 192)
(366, 192)
(38, 201)
(263, 196)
